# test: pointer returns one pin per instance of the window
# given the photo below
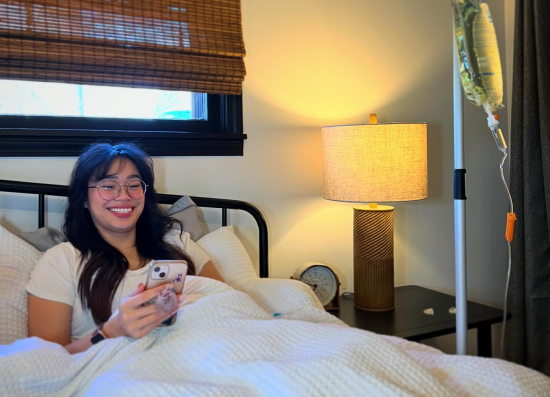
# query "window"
(54, 119)
(180, 63)
(32, 98)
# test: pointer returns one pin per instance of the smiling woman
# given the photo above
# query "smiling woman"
(115, 227)
(114, 208)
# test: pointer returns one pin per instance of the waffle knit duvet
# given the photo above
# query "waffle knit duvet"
(270, 338)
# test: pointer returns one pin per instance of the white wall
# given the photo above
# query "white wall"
(312, 63)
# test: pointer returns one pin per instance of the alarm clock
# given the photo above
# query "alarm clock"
(323, 281)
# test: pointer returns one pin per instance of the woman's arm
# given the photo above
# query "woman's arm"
(210, 271)
(51, 320)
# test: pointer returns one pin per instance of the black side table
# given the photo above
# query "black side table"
(409, 321)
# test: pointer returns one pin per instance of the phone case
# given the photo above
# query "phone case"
(165, 272)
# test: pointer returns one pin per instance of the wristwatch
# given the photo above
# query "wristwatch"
(98, 335)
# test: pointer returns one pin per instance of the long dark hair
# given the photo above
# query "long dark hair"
(102, 266)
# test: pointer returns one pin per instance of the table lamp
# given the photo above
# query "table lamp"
(374, 163)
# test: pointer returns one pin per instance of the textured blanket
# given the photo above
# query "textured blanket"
(270, 339)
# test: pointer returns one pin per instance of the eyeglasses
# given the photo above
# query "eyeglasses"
(110, 190)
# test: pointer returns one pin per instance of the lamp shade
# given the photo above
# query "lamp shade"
(375, 162)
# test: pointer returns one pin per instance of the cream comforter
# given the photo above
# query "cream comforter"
(229, 343)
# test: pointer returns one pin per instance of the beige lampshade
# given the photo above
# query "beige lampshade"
(375, 162)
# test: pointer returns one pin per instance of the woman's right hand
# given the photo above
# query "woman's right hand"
(134, 319)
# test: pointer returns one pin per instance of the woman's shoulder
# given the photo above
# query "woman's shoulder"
(60, 262)
(62, 250)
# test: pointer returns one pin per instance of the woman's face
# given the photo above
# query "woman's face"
(118, 216)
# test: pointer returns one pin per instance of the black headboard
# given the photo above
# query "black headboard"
(43, 190)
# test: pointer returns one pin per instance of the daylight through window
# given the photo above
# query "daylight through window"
(31, 98)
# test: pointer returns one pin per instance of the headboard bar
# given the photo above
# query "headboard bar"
(224, 216)
(43, 189)
(41, 212)
(34, 188)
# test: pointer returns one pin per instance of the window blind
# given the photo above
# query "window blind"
(184, 45)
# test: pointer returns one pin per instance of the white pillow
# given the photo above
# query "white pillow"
(17, 259)
(282, 296)
(228, 256)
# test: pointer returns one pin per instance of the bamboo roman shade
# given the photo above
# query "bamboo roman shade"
(184, 45)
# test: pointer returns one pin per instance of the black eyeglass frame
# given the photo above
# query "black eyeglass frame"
(145, 186)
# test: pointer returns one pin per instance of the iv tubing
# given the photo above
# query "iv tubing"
(504, 181)
(506, 299)
(509, 259)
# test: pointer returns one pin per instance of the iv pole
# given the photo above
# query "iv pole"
(486, 41)
(459, 210)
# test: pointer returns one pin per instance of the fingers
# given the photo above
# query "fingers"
(149, 314)
(156, 315)
(139, 289)
(152, 321)
(145, 311)
(137, 319)
(146, 296)
(137, 313)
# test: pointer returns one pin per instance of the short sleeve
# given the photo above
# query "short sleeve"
(184, 242)
(54, 276)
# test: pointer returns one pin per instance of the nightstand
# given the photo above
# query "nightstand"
(409, 321)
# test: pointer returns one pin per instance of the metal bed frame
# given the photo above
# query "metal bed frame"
(43, 190)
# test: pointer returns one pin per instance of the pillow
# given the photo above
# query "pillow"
(229, 256)
(44, 238)
(185, 211)
(282, 296)
(17, 259)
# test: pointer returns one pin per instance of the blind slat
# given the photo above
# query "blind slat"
(191, 45)
(80, 55)
(111, 80)
(138, 6)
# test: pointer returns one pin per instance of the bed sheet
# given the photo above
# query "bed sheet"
(270, 338)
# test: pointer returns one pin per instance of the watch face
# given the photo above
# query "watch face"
(97, 337)
(322, 281)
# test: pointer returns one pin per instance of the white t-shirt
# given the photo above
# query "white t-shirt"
(55, 277)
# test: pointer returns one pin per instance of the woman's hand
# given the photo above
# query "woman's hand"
(135, 320)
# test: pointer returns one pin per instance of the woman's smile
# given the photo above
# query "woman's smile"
(121, 212)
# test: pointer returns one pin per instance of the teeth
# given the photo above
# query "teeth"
(121, 210)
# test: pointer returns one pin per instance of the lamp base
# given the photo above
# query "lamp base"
(373, 258)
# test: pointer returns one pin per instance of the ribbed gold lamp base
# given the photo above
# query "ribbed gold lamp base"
(373, 258)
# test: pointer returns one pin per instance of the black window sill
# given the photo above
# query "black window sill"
(69, 143)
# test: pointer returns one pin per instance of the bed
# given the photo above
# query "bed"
(250, 336)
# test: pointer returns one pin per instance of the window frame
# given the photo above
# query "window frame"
(47, 136)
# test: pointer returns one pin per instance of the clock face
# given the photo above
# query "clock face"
(322, 281)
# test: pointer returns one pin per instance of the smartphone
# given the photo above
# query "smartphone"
(166, 272)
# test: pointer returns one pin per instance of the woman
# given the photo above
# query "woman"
(115, 227)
